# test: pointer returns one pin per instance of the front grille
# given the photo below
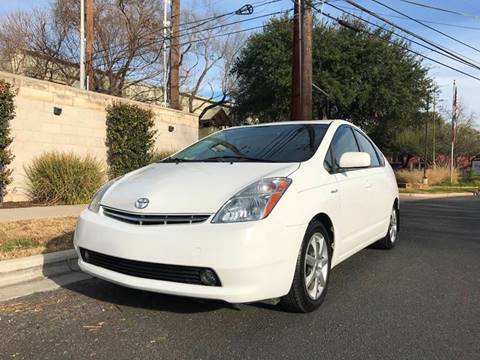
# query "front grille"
(154, 219)
(148, 270)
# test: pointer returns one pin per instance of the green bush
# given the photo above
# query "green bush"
(7, 113)
(160, 155)
(130, 138)
(61, 178)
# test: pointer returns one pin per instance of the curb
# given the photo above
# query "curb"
(25, 276)
(439, 195)
(40, 212)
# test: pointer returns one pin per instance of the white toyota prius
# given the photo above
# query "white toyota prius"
(247, 214)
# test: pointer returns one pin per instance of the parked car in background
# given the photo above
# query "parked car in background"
(247, 214)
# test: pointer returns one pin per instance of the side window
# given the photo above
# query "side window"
(343, 142)
(366, 146)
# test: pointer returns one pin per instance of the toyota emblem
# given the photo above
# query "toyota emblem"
(142, 203)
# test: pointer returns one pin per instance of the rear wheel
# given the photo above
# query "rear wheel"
(389, 241)
(312, 271)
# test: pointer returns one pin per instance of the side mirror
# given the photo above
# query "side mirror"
(355, 160)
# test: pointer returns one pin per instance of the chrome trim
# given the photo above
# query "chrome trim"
(153, 219)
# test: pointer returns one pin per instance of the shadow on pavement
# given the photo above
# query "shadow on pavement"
(122, 296)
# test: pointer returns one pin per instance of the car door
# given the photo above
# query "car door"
(380, 207)
(354, 194)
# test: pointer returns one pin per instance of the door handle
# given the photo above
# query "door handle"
(334, 191)
(368, 185)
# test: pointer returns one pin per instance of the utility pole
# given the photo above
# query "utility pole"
(166, 25)
(296, 107)
(425, 178)
(82, 44)
(307, 76)
(89, 44)
(175, 56)
(434, 145)
(301, 108)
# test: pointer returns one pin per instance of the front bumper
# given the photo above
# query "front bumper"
(254, 261)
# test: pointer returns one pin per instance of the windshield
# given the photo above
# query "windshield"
(273, 143)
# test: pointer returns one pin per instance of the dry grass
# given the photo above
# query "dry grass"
(33, 237)
(437, 176)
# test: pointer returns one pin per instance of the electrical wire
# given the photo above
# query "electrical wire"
(424, 20)
(440, 9)
(346, 24)
(411, 33)
(426, 25)
(401, 36)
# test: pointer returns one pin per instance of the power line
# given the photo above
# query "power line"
(427, 26)
(346, 24)
(400, 35)
(424, 20)
(235, 22)
(450, 52)
(161, 38)
(440, 9)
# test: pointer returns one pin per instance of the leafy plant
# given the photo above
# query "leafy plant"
(160, 155)
(7, 113)
(130, 138)
(61, 178)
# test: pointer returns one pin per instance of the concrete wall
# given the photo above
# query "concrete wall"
(80, 128)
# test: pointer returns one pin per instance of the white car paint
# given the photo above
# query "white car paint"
(253, 260)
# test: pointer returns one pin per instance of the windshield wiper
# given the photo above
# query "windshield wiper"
(177, 160)
(236, 157)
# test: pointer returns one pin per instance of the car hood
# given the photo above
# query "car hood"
(188, 187)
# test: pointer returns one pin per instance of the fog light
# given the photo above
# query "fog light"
(208, 277)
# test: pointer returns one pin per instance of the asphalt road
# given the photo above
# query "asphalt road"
(418, 301)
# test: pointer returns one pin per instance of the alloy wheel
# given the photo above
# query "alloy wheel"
(316, 265)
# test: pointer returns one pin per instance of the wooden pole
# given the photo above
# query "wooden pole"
(89, 44)
(307, 76)
(175, 56)
(296, 107)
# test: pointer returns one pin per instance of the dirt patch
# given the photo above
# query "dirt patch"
(33, 237)
(19, 204)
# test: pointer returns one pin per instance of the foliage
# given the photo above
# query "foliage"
(469, 178)
(369, 81)
(130, 138)
(436, 176)
(62, 178)
(160, 155)
(7, 113)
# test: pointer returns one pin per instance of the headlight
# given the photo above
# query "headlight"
(255, 202)
(95, 204)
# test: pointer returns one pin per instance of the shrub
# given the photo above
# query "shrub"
(7, 113)
(436, 176)
(160, 155)
(61, 178)
(130, 138)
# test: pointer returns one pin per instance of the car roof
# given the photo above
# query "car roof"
(306, 122)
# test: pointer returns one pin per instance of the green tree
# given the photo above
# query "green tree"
(130, 138)
(376, 85)
(7, 113)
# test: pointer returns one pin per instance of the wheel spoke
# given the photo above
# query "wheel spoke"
(310, 278)
(321, 278)
(311, 261)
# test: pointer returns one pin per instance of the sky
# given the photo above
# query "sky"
(465, 27)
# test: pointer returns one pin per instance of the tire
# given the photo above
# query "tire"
(389, 241)
(304, 297)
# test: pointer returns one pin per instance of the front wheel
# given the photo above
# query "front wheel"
(389, 241)
(312, 271)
